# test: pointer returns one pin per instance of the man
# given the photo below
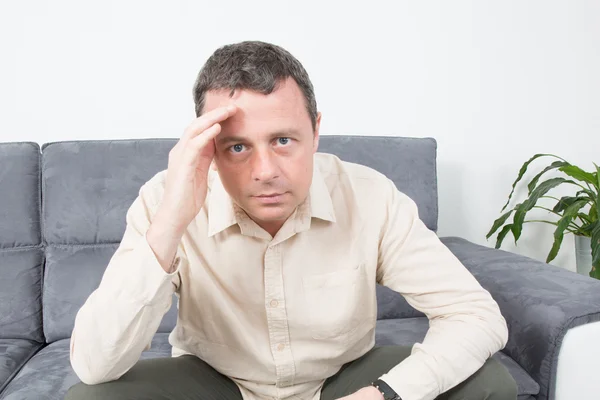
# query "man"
(274, 252)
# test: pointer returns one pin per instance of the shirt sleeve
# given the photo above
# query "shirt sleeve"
(465, 323)
(119, 319)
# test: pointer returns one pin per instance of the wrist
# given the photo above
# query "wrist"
(164, 241)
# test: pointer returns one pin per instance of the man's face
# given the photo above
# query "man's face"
(264, 153)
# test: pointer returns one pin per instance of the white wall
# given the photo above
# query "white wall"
(493, 82)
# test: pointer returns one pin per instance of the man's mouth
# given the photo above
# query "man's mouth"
(270, 198)
(269, 195)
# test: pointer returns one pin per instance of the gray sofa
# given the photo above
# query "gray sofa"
(62, 215)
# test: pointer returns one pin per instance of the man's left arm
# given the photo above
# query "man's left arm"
(465, 324)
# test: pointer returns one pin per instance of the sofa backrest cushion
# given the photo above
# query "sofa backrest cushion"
(88, 187)
(20, 195)
(409, 162)
(21, 254)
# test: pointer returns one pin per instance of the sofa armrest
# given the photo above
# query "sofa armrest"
(540, 303)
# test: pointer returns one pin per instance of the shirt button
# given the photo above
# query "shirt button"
(274, 303)
(280, 346)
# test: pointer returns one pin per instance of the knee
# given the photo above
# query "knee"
(76, 392)
(499, 383)
(491, 382)
(504, 389)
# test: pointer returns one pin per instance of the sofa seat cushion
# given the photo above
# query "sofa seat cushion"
(48, 374)
(408, 331)
(62, 299)
(14, 353)
(21, 293)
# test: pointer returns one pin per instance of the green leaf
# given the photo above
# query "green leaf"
(598, 191)
(555, 247)
(585, 218)
(563, 223)
(579, 174)
(586, 230)
(597, 177)
(595, 244)
(590, 195)
(498, 223)
(528, 204)
(554, 165)
(565, 202)
(502, 235)
(522, 172)
(593, 214)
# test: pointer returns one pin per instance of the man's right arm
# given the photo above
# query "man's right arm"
(119, 319)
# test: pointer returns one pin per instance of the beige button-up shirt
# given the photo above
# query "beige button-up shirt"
(279, 315)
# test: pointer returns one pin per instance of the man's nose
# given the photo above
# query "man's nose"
(264, 166)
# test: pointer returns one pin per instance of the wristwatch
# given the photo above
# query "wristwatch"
(385, 389)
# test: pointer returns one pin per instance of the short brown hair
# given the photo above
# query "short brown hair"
(252, 65)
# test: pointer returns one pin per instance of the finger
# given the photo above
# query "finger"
(198, 143)
(207, 120)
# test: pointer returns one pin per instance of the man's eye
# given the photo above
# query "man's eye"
(237, 148)
(283, 140)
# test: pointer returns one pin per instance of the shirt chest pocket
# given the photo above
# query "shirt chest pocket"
(335, 302)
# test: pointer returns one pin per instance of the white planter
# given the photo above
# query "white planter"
(583, 254)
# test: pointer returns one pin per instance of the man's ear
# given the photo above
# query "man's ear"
(316, 133)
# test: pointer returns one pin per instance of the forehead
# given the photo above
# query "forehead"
(284, 108)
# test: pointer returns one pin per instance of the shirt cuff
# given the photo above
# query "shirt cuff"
(412, 379)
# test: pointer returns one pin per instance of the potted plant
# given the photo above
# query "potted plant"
(576, 214)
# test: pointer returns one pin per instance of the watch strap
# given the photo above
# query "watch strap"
(385, 389)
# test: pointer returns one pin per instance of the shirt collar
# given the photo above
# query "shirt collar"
(321, 205)
(223, 212)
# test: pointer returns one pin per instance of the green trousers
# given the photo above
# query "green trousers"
(187, 377)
